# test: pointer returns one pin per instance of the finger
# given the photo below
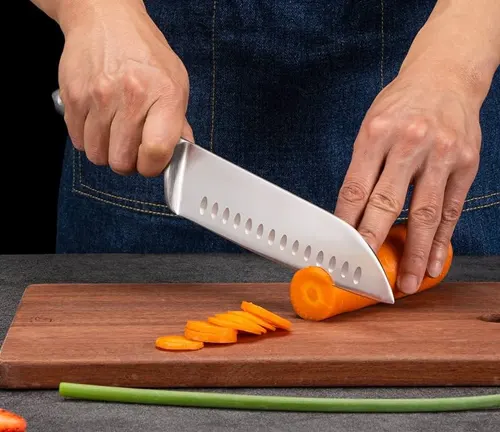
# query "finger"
(162, 131)
(363, 172)
(386, 201)
(75, 113)
(423, 220)
(96, 138)
(127, 126)
(98, 122)
(456, 191)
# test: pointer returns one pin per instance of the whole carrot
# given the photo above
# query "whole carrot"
(315, 297)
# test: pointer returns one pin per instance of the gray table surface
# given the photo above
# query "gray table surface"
(46, 411)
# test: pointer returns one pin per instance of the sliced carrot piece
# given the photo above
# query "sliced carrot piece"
(177, 343)
(238, 323)
(211, 337)
(206, 327)
(255, 319)
(267, 315)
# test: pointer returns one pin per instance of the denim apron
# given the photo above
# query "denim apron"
(280, 89)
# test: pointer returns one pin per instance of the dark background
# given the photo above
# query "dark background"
(33, 149)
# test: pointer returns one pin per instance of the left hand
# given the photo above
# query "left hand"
(422, 129)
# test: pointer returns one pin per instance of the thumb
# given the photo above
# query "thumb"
(161, 133)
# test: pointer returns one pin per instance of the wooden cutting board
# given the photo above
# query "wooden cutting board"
(104, 334)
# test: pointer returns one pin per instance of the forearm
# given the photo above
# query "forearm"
(68, 13)
(461, 38)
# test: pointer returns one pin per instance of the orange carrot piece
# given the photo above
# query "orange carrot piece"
(266, 315)
(315, 297)
(11, 422)
(177, 343)
(239, 323)
(211, 337)
(255, 319)
(206, 327)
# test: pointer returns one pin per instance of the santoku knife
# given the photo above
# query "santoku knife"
(268, 220)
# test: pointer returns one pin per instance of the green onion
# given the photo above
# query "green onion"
(273, 403)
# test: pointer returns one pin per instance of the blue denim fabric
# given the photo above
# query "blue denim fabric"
(279, 88)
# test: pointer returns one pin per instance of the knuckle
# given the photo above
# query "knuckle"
(96, 157)
(353, 192)
(451, 211)
(102, 90)
(133, 85)
(385, 201)
(446, 141)
(469, 158)
(72, 95)
(377, 127)
(427, 215)
(369, 234)
(417, 256)
(415, 129)
(122, 166)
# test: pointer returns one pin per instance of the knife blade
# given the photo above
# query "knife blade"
(267, 220)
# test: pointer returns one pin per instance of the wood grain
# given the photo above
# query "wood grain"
(104, 334)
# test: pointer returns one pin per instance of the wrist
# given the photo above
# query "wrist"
(71, 14)
(451, 50)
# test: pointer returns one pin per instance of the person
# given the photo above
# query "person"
(381, 111)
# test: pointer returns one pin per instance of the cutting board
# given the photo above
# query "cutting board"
(104, 334)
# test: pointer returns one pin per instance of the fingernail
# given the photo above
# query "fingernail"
(435, 268)
(408, 284)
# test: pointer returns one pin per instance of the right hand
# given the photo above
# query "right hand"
(124, 90)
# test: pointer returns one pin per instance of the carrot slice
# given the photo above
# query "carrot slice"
(211, 337)
(254, 318)
(267, 315)
(206, 327)
(239, 323)
(315, 297)
(177, 343)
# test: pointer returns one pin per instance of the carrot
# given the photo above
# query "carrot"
(255, 319)
(226, 320)
(206, 327)
(11, 422)
(211, 337)
(315, 297)
(177, 343)
(266, 315)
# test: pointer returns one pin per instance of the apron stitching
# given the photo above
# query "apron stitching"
(117, 196)
(212, 108)
(123, 198)
(382, 48)
(466, 210)
(124, 206)
(473, 199)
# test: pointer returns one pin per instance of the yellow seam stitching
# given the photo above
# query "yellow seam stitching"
(473, 199)
(212, 108)
(466, 210)
(125, 199)
(116, 196)
(382, 48)
(124, 206)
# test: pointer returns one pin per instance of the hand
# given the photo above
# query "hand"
(422, 129)
(125, 91)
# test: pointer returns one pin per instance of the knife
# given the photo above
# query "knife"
(267, 220)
